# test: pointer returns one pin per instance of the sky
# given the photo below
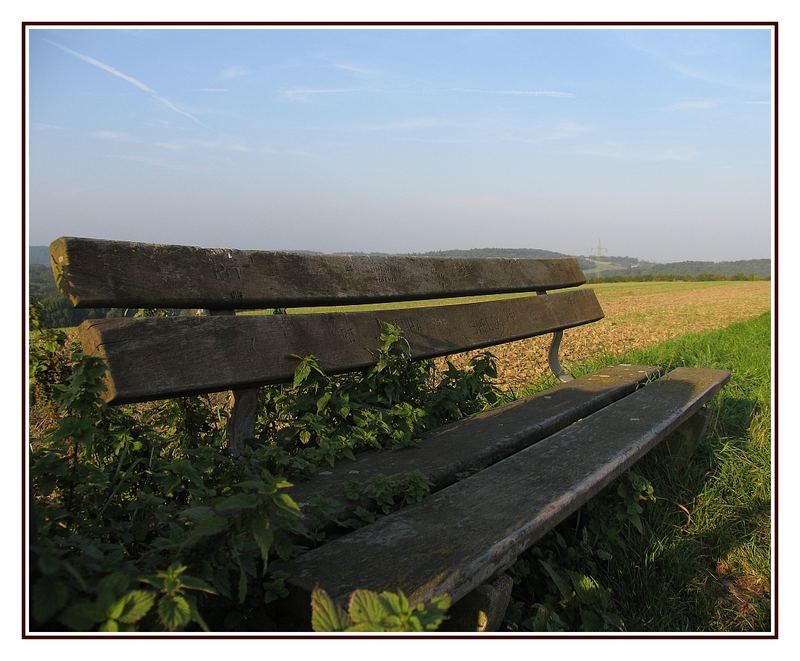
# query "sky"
(656, 142)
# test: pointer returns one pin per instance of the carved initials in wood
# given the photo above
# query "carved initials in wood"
(222, 271)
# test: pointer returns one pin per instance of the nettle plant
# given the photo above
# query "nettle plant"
(47, 359)
(370, 611)
(553, 585)
(140, 519)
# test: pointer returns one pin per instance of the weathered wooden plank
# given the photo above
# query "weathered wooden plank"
(459, 537)
(152, 358)
(96, 273)
(480, 440)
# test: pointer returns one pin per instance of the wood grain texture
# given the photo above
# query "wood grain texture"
(460, 536)
(152, 358)
(480, 440)
(96, 273)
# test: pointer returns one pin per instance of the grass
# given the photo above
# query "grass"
(703, 562)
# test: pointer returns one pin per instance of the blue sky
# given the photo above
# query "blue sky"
(655, 141)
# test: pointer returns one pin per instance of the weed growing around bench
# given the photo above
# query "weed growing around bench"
(697, 556)
(141, 521)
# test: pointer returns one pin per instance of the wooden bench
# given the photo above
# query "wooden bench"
(528, 464)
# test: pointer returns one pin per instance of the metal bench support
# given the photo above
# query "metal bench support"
(552, 355)
(552, 358)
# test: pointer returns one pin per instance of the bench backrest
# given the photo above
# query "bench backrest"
(154, 358)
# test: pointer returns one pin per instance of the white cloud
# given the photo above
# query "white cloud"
(618, 151)
(692, 104)
(234, 71)
(223, 143)
(567, 129)
(160, 163)
(39, 126)
(115, 136)
(354, 68)
(757, 103)
(400, 125)
(680, 154)
(303, 94)
(160, 124)
(607, 149)
(520, 92)
(562, 130)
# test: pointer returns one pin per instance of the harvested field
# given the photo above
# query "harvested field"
(637, 315)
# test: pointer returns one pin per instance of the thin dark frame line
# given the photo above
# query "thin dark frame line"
(406, 23)
(775, 326)
(24, 325)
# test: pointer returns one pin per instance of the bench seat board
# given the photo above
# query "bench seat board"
(457, 538)
(480, 440)
(151, 358)
(98, 273)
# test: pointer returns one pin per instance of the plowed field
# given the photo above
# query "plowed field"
(637, 315)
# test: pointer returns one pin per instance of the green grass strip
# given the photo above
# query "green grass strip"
(703, 562)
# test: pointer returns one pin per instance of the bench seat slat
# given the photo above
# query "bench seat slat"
(97, 273)
(460, 536)
(151, 358)
(480, 440)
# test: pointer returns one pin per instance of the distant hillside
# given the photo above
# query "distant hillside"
(55, 311)
(612, 266)
(39, 255)
(511, 253)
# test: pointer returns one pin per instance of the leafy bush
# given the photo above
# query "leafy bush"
(392, 492)
(47, 359)
(141, 521)
(369, 611)
(554, 588)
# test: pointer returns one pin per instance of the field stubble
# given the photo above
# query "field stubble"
(637, 315)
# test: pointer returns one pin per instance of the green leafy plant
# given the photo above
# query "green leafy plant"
(554, 587)
(633, 491)
(370, 611)
(121, 493)
(176, 607)
(390, 493)
(47, 359)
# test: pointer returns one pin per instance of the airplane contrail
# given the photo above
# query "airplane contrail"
(138, 84)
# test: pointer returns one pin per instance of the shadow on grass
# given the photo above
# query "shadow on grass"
(691, 582)
(704, 563)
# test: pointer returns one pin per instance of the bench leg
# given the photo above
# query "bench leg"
(482, 609)
(682, 443)
(242, 423)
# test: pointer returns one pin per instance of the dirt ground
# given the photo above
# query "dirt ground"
(637, 315)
